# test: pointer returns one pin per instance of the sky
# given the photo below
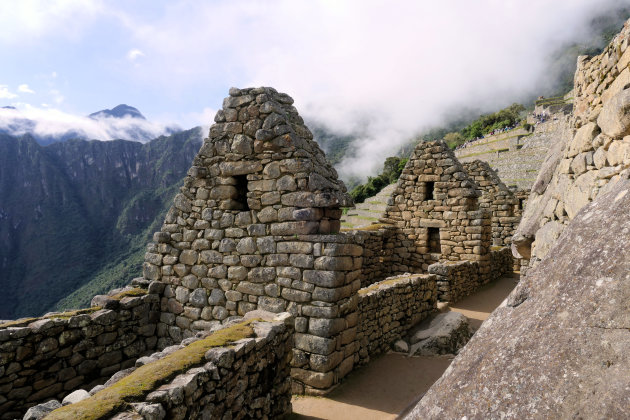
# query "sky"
(382, 69)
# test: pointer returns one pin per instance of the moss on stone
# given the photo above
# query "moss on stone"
(149, 377)
(23, 322)
(136, 291)
(70, 314)
(386, 282)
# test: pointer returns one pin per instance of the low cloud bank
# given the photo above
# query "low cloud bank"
(49, 125)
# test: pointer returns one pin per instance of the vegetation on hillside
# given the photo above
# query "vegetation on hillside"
(496, 121)
(392, 168)
(75, 216)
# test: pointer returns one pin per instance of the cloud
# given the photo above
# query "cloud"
(50, 123)
(365, 67)
(56, 95)
(384, 72)
(5, 93)
(29, 20)
(24, 88)
(134, 53)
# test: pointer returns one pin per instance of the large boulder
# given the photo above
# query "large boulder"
(446, 333)
(558, 347)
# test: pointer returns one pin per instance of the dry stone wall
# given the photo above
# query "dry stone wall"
(456, 280)
(436, 210)
(251, 229)
(594, 155)
(388, 309)
(516, 156)
(50, 357)
(241, 371)
(505, 207)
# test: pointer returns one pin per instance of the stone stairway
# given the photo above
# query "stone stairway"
(368, 212)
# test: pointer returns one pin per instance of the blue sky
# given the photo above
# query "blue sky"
(384, 68)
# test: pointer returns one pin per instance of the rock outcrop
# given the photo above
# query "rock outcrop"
(557, 348)
(445, 333)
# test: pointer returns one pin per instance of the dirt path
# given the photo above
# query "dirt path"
(392, 382)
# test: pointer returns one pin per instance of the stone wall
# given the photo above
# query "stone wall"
(593, 156)
(241, 371)
(516, 160)
(50, 357)
(456, 280)
(434, 195)
(505, 207)
(389, 308)
(378, 248)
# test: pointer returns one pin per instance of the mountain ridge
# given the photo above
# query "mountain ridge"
(77, 207)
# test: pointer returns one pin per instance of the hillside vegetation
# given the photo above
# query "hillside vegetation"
(75, 216)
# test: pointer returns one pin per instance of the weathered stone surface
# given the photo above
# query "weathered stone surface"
(567, 319)
(40, 411)
(445, 333)
(583, 140)
(76, 396)
(614, 120)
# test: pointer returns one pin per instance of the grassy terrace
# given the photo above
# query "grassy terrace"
(497, 140)
(556, 100)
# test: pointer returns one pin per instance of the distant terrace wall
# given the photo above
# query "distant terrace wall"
(517, 160)
(241, 371)
(52, 356)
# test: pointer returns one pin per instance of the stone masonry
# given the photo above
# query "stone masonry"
(255, 226)
(436, 210)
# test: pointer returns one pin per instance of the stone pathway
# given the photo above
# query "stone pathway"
(368, 212)
(392, 383)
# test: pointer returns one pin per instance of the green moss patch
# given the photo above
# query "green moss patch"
(386, 282)
(149, 377)
(23, 322)
(136, 291)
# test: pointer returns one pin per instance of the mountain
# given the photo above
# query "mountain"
(75, 216)
(120, 111)
(122, 122)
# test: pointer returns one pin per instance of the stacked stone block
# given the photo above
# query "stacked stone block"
(388, 309)
(435, 192)
(377, 252)
(456, 280)
(595, 153)
(57, 354)
(251, 229)
(497, 199)
(245, 378)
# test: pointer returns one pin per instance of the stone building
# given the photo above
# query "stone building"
(505, 206)
(435, 209)
(256, 227)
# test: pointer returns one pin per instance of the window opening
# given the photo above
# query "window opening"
(434, 241)
(429, 190)
(241, 190)
(472, 204)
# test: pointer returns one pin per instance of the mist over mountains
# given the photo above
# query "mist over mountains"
(48, 126)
